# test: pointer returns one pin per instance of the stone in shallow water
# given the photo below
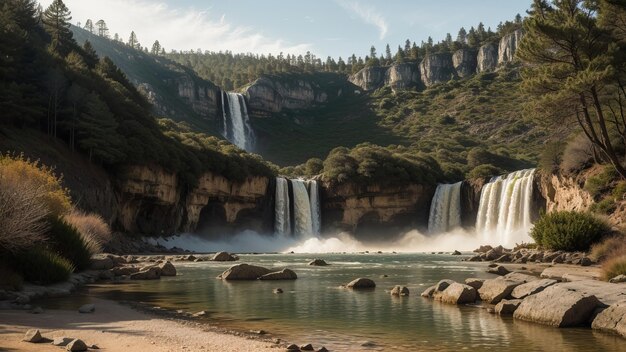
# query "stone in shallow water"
(457, 293)
(361, 283)
(244, 272)
(498, 270)
(558, 306)
(61, 341)
(474, 282)
(223, 257)
(443, 284)
(307, 347)
(612, 319)
(87, 308)
(399, 291)
(428, 292)
(507, 306)
(285, 274)
(494, 290)
(318, 262)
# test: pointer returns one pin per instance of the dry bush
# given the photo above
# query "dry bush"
(578, 155)
(608, 248)
(92, 228)
(614, 266)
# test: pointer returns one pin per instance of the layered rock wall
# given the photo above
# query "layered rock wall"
(267, 95)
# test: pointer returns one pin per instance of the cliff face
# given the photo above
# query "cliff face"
(273, 95)
(464, 62)
(508, 46)
(437, 68)
(373, 212)
(564, 193)
(202, 96)
(402, 76)
(151, 202)
(369, 78)
(487, 58)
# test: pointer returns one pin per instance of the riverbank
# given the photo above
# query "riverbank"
(117, 327)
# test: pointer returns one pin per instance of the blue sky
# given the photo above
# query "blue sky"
(325, 27)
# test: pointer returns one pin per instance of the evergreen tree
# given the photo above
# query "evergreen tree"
(56, 21)
(388, 54)
(472, 38)
(116, 37)
(88, 26)
(90, 55)
(156, 48)
(407, 47)
(518, 19)
(103, 30)
(133, 42)
(97, 131)
(462, 36)
(400, 55)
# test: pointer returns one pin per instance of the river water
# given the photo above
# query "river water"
(315, 309)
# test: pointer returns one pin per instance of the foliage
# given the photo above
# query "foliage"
(551, 157)
(597, 184)
(94, 231)
(484, 170)
(611, 246)
(577, 156)
(569, 231)
(42, 266)
(614, 266)
(70, 244)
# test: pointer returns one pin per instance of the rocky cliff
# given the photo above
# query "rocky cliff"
(487, 60)
(369, 78)
(402, 76)
(564, 193)
(201, 95)
(437, 68)
(464, 62)
(508, 45)
(375, 213)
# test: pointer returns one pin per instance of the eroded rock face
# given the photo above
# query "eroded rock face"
(564, 193)
(508, 45)
(402, 76)
(437, 68)
(372, 211)
(465, 62)
(202, 96)
(267, 95)
(487, 58)
(369, 78)
(612, 319)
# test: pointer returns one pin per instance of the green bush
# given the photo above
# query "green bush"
(597, 184)
(67, 241)
(485, 170)
(605, 206)
(569, 231)
(42, 266)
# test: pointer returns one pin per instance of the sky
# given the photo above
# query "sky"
(324, 27)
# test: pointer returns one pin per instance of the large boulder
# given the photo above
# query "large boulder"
(558, 306)
(76, 345)
(531, 288)
(612, 319)
(361, 283)
(102, 263)
(224, 257)
(494, 290)
(474, 282)
(457, 293)
(437, 68)
(428, 293)
(318, 262)
(498, 270)
(167, 269)
(285, 274)
(147, 273)
(244, 272)
(507, 306)
(487, 58)
(464, 62)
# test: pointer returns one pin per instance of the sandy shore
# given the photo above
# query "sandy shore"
(115, 327)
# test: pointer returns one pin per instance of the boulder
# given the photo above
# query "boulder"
(167, 269)
(474, 282)
(612, 319)
(456, 253)
(498, 270)
(223, 257)
(307, 347)
(531, 288)
(61, 341)
(147, 273)
(318, 262)
(200, 314)
(558, 306)
(399, 291)
(618, 279)
(483, 249)
(361, 283)
(87, 308)
(278, 290)
(124, 270)
(507, 306)
(457, 293)
(293, 347)
(285, 274)
(76, 345)
(494, 290)
(428, 293)
(102, 263)
(443, 284)
(244, 272)
(33, 336)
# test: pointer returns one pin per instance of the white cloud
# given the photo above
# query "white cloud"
(177, 28)
(368, 14)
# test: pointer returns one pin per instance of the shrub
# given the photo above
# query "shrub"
(10, 280)
(609, 247)
(578, 155)
(551, 157)
(67, 240)
(42, 266)
(569, 231)
(485, 170)
(614, 266)
(446, 120)
(597, 184)
(605, 206)
(92, 228)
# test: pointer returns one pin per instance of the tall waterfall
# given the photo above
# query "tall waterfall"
(504, 213)
(237, 127)
(445, 209)
(305, 219)
(282, 222)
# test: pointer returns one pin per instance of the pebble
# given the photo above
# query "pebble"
(87, 308)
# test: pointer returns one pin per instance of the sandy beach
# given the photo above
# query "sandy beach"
(115, 327)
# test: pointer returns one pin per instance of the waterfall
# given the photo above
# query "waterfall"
(305, 216)
(504, 213)
(238, 131)
(315, 207)
(445, 209)
(282, 223)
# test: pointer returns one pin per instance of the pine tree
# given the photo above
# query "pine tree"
(462, 36)
(90, 55)
(133, 42)
(407, 47)
(156, 48)
(103, 30)
(399, 55)
(97, 131)
(88, 26)
(388, 54)
(56, 21)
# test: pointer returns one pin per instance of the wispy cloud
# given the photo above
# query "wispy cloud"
(368, 14)
(177, 28)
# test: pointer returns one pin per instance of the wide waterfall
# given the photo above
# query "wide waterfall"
(504, 213)
(305, 219)
(237, 127)
(445, 209)
(282, 222)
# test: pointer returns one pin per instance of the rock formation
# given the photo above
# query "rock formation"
(487, 60)
(402, 76)
(508, 46)
(437, 68)
(369, 78)
(464, 62)
(268, 95)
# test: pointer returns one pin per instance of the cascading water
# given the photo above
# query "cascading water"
(445, 209)
(504, 213)
(237, 127)
(282, 222)
(305, 217)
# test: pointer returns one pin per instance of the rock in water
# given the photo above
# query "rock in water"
(167, 269)
(87, 308)
(293, 347)
(428, 293)
(612, 319)
(557, 306)
(61, 341)
(443, 284)
(494, 290)
(244, 272)
(456, 253)
(307, 347)
(285, 274)
(399, 291)
(33, 336)
(457, 293)
(474, 282)
(76, 345)
(507, 306)
(361, 283)
(147, 273)
(531, 288)
(223, 257)
(318, 262)
(498, 270)
(278, 290)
